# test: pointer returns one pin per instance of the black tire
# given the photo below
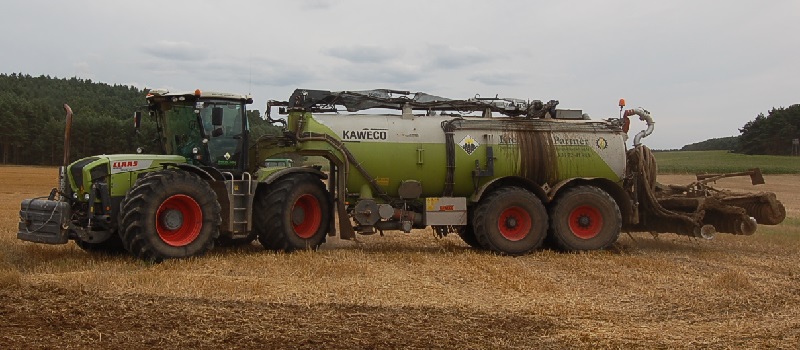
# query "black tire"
(511, 221)
(293, 213)
(584, 218)
(112, 246)
(170, 214)
(467, 232)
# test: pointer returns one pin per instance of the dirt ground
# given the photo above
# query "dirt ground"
(407, 291)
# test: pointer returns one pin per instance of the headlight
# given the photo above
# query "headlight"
(86, 196)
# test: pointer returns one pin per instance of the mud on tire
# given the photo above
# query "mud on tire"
(292, 213)
(169, 214)
(584, 218)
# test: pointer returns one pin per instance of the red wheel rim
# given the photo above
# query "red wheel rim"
(179, 220)
(514, 223)
(306, 216)
(585, 221)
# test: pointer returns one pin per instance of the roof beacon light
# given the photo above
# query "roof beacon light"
(197, 92)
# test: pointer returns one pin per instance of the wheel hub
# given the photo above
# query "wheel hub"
(514, 223)
(179, 220)
(511, 222)
(298, 215)
(172, 219)
(584, 221)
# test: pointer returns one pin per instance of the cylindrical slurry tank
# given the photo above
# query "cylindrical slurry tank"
(392, 148)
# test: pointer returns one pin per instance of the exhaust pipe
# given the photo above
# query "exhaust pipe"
(62, 170)
(67, 130)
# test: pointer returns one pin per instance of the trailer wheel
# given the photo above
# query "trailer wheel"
(510, 220)
(292, 213)
(467, 232)
(584, 218)
(170, 214)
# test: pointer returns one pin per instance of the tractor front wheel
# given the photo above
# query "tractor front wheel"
(292, 213)
(170, 214)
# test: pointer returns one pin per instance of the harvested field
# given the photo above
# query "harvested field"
(407, 291)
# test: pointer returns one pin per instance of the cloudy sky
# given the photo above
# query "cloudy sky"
(703, 68)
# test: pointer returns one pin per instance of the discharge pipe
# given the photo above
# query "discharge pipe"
(645, 116)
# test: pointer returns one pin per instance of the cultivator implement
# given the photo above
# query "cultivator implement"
(698, 209)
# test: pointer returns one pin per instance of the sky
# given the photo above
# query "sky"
(702, 68)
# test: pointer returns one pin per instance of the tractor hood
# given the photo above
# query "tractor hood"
(119, 171)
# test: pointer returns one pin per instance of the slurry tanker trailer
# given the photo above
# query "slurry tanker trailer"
(504, 174)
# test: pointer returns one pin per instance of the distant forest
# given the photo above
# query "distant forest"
(730, 143)
(32, 119)
(32, 122)
(771, 134)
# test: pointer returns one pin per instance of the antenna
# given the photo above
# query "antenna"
(250, 75)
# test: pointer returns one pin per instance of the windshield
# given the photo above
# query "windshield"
(187, 130)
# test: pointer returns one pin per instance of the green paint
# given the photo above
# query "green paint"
(122, 181)
(582, 161)
(390, 163)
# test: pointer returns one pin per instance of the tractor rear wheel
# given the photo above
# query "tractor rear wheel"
(511, 221)
(170, 214)
(584, 218)
(292, 213)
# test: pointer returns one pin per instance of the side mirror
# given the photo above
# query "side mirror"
(216, 116)
(137, 120)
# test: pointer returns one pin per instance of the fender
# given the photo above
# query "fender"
(293, 170)
(206, 173)
(510, 180)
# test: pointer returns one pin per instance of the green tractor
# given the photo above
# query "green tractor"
(201, 192)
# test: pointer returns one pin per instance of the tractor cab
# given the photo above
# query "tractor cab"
(209, 129)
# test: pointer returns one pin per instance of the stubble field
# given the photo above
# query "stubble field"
(407, 291)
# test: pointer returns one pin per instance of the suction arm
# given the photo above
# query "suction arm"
(645, 116)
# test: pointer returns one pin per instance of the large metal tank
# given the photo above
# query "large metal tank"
(393, 148)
